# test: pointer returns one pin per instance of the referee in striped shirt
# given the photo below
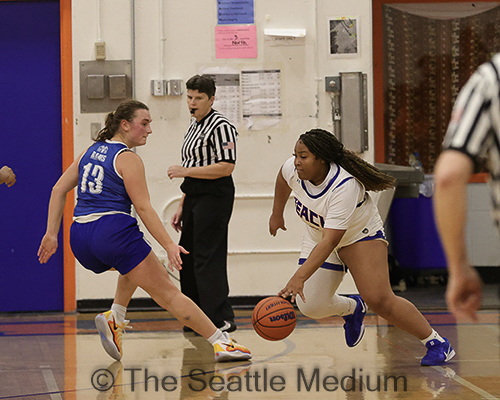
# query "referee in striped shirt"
(473, 137)
(208, 160)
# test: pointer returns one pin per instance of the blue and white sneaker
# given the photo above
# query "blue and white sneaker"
(354, 327)
(438, 353)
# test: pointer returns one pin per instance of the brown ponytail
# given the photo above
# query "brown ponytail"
(125, 111)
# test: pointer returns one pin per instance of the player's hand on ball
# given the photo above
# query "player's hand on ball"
(294, 287)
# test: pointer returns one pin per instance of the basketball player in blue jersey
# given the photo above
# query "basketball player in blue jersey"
(104, 235)
(472, 138)
(344, 229)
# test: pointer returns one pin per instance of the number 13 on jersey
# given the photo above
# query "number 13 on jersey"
(95, 186)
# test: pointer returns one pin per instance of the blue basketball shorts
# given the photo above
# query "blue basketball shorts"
(112, 241)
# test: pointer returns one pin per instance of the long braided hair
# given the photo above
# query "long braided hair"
(125, 111)
(327, 147)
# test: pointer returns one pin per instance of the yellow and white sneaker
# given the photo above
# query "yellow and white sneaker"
(111, 333)
(229, 350)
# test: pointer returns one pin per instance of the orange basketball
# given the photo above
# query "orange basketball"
(274, 318)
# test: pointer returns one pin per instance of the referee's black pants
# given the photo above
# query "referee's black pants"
(205, 219)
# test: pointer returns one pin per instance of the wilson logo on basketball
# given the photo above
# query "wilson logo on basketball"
(284, 316)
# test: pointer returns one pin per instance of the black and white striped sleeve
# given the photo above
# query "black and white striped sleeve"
(475, 112)
(224, 142)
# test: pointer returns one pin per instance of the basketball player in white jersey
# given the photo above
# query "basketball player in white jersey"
(344, 230)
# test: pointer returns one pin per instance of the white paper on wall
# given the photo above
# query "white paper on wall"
(261, 96)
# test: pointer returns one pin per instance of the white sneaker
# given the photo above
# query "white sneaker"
(229, 350)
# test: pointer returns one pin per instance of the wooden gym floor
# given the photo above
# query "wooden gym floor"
(59, 356)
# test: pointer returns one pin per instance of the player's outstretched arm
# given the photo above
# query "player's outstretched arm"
(331, 238)
(63, 186)
(131, 168)
(281, 194)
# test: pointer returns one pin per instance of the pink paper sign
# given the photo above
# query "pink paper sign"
(236, 41)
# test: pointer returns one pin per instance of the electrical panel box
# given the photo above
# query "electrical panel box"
(353, 109)
(95, 86)
(118, 86)
(158, 87)
(175, 87)
(104, 85)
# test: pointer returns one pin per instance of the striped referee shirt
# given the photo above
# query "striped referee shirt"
(209, 141)
(474, 128)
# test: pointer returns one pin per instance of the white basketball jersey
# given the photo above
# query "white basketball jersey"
(339, 202)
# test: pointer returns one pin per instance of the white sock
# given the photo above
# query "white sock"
(433, 335)
(352, 306)
(119, 312)
(218, 336)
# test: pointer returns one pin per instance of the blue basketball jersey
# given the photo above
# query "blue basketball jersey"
(100, 187)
